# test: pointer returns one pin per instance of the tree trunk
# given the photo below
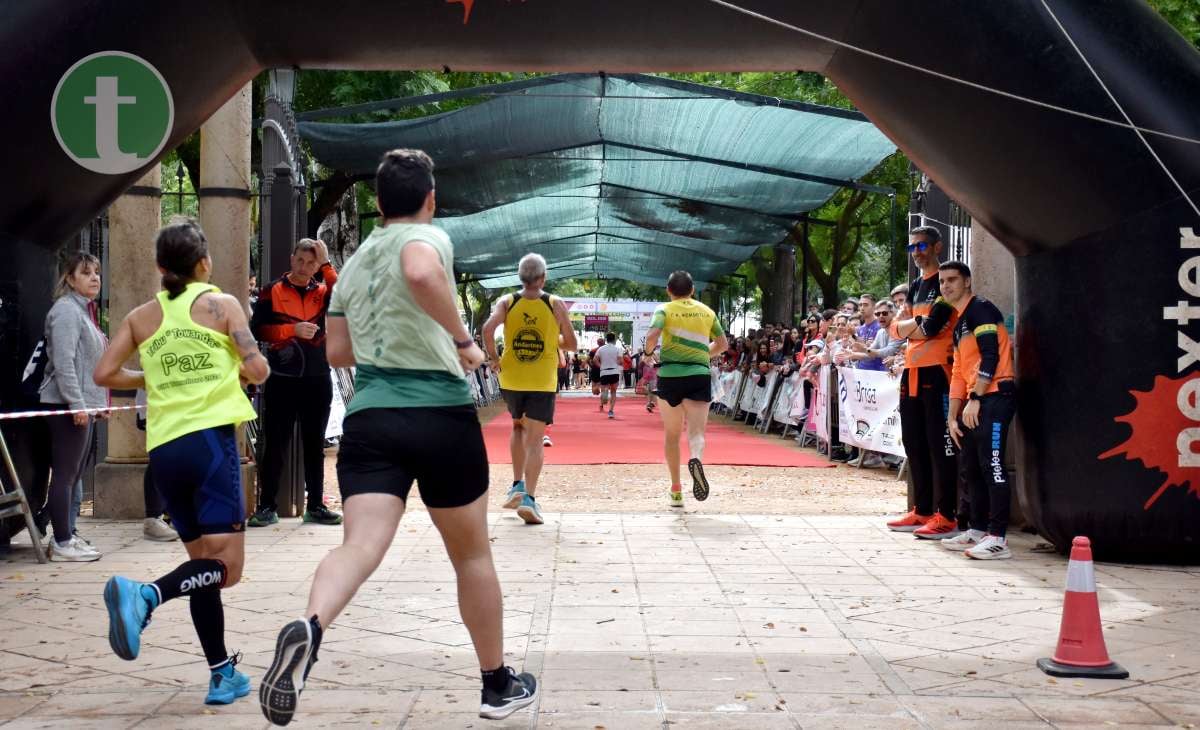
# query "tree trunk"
(332, 192)
(783, 286)
(764, 276)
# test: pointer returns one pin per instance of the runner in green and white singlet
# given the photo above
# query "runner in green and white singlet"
(691, 336)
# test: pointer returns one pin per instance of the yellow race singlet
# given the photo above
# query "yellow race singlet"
(530, 360)
(191, 373)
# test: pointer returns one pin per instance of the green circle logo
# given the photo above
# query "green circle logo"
(112, 112)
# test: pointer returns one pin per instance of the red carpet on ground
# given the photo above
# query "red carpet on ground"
(584, 435)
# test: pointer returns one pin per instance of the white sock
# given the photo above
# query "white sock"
(696, 446)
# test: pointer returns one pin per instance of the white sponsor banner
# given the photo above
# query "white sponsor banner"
(641, 325)
(818, 410)
(784, 401)
(337, 410)
(869, 410)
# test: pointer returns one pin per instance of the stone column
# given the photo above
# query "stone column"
(225, 192)
(133, 221)
(225, 212)
(993, 270)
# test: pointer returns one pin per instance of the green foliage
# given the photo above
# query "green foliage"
(320, 89)
(170, 201)
(1184, 15)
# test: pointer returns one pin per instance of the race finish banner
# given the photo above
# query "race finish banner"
(869, 410)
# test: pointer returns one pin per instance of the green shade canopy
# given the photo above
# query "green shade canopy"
(623, 176)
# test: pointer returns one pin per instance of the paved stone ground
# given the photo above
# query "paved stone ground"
(634, 620)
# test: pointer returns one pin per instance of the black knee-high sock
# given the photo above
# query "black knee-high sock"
(203, 575)
(208, 616)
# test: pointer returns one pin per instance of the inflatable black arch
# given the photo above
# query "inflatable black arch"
(1092, 186)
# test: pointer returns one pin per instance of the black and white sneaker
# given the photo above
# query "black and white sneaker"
(521, 692)
(699, 481)
(279, 691)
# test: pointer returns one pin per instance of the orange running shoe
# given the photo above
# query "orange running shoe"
(937, 528)
(908, 522)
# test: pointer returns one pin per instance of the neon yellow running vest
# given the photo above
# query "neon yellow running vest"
(530, 360)
(191, 373)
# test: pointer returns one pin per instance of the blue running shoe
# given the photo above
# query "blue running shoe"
(227, 684)
(529, 511)
(516, 495)
(129, 606)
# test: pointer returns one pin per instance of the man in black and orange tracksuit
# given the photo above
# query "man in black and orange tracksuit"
(925, 396)
(982, 378)
(289, 317)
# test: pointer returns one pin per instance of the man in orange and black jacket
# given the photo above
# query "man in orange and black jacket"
(925, 396)
(289, 317)
(983, 393)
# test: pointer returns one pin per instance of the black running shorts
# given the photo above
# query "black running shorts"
(689, 387)
(610, 379)
(535, 405)
(384, 449)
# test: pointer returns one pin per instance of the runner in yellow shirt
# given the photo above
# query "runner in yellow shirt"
(535, 327)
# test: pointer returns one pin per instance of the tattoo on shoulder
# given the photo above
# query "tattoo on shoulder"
(215, 310)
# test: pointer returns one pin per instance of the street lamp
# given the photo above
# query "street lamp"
(179, 174)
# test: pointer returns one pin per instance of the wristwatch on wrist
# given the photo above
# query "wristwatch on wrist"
(463, 344)
(973, 396)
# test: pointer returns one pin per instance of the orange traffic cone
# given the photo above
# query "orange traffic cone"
(1081, 651)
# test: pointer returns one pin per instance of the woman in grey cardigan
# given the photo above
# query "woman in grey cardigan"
(74, 344)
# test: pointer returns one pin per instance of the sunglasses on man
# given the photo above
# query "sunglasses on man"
(918, 246)
(883, 313)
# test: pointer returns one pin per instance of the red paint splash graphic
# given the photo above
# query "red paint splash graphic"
(1156, 421)
(467, 5)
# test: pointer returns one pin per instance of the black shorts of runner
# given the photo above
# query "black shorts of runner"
(531, 404)
(384, 449)
(610, 379)
(689, 387)
(594, 375)
(198, 476)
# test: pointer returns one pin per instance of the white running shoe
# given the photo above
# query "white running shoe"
(990, 548)
(964, 541)
(154, 528)
(73, 552)
(546, 441)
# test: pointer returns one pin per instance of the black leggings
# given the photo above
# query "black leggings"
(927, 442)
(285, 401)
(68, 453)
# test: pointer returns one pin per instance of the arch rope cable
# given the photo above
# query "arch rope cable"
(921, 69)
(1120, 108)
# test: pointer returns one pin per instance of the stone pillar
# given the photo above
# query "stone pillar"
(133, 221)
(225, 212)
(225, 192)
(993, 270)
